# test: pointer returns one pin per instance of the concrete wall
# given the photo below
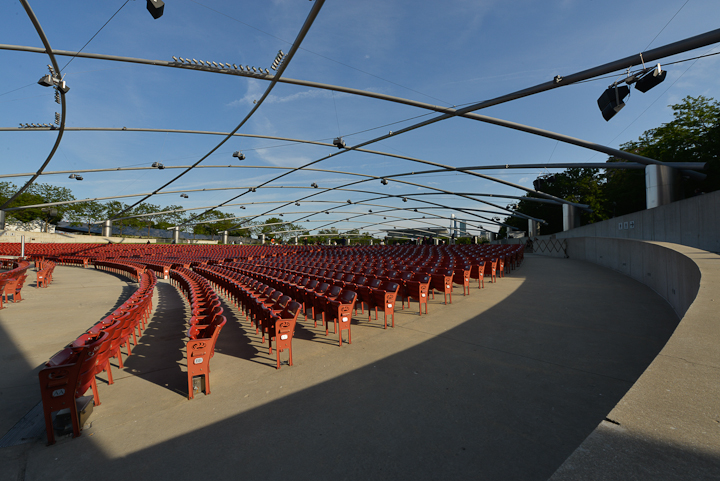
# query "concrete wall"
(14, 236)
(693, 222)
(660, 266)
(667, 421)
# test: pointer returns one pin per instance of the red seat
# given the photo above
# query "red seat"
(418, 288)
(66, 377)
(200, 349)
(442, 281)
(339, 310)
(283, 328)
(385, 299)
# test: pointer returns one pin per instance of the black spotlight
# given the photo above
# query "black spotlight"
(651, 79)
(611, 101)
(156, 8)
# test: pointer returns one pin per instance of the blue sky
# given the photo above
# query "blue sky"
(445, 53)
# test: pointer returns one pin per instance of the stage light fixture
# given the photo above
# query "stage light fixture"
(339, 143)
(651, 79)
(239, 155)
(46, 81)
(611, 101)
(184, 196)
(314, 185)
(384, 182)
(156, 8)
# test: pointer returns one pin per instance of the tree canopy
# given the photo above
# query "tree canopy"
(692, 136)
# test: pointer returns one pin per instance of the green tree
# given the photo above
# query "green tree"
(692, 136)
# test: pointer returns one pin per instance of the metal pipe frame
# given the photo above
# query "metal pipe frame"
(677, 47)
(658, 53)
(63, 105)
(314, 11)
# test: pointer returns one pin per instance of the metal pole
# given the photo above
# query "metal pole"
(22, 246)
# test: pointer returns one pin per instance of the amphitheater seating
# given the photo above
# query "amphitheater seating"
(69, 374)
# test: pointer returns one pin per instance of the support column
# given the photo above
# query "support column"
(532, 228)
(262, 238)
(225, 237)
(661, 185)
(436, 241)
(491, 236)
(296, 240)
(371, 242)
(176, 235)
(2, 220)
(107, 228)
(571, 217)
(22, 247)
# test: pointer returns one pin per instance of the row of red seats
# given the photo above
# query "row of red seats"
(44, 272)
(206, 322)
(412, 284)
(12, 281)
(69, 374)
(271, 312)
(123, 267)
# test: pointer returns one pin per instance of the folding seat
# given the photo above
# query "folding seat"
(477, 271)
(402, 278)
(491, 268)
(442, 280)
(200, 349)
(311, 293)
(384, 298)
(66, 377)
(321, 299)
(364, 292)
(339, 310)
(461, 276)
(282, 328)
(260, 310)
(13, 287)
(418, 288)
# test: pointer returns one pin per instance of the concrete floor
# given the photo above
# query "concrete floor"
(502, 384)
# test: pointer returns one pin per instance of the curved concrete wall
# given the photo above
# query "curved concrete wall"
(691, 222)
(667, 426)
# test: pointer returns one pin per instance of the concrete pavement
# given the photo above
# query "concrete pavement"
(502, 384)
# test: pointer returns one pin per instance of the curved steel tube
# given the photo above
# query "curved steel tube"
(63, 107)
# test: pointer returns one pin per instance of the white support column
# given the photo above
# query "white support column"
(532, 228)
(107, 228)
(661, 184)
(571, 217)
